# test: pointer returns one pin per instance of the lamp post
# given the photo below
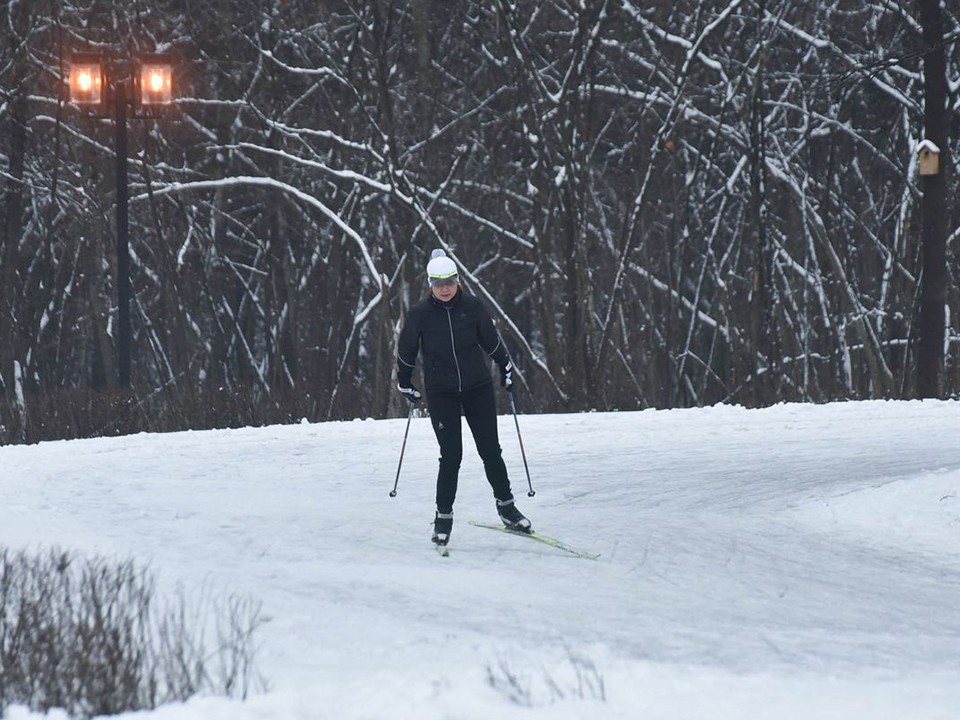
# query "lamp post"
(143, 87)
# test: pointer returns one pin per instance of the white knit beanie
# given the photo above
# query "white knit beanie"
(441, 267)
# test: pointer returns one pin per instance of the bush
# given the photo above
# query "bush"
(88, 636)
(580, 681)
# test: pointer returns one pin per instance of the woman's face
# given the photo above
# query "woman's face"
(446, 291)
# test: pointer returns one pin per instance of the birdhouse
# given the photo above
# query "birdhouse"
(928, 155)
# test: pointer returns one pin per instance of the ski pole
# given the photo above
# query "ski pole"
(393, 493)
(513, 406)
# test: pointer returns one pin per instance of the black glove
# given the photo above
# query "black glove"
(412, 394)
(506, 376)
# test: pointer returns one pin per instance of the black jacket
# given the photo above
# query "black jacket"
(456, 338)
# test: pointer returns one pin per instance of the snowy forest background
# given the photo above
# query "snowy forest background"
(664, 203)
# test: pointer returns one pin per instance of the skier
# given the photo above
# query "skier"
(456, 335)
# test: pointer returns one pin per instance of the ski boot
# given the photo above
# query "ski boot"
(513, 518)
(442, 527)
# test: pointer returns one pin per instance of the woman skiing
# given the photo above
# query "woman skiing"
(455, 334)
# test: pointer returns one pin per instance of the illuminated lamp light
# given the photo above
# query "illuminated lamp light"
(86, 79)
(156, 80)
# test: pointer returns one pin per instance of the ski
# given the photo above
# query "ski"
(443, 550)
(540, 538)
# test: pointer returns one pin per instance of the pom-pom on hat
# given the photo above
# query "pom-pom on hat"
(441, 270)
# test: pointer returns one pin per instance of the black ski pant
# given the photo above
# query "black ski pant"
(479, 407)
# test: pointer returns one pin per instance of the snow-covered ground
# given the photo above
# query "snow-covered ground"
(793, 562)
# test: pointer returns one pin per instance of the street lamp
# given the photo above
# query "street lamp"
(144, 87)
(156, 80)
(86, 79)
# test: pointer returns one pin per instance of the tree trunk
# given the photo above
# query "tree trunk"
(12, 232)
(933, 208)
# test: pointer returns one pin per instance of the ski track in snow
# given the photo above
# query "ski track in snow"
(798, 561)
